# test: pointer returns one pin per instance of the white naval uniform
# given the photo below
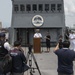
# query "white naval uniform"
(7, 46)
(71, 41)
(74, 41)
(37, 35)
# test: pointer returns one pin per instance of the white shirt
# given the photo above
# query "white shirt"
(7, 46)
(72, 41)
(71, 37)
(37, 35)
(74, 38)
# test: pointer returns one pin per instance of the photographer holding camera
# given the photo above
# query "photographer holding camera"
(65, 59)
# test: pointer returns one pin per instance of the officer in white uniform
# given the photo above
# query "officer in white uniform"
(71, 36)
(74, 41)
(6, 44)
(37, 34)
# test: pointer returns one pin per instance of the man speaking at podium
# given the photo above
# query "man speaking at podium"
(37, 34)
(37, 41)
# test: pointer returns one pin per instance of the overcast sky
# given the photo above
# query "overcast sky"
(6, 12)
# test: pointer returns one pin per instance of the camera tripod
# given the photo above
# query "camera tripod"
(30, 55)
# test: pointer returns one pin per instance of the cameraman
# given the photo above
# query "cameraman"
(65, 59)
(18, 60)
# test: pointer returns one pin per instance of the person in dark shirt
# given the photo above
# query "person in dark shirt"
(18, 59)
(48, 38)
(4, 52)
(65, 59)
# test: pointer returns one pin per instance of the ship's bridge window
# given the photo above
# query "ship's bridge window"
(46, 7)
(40, 7)
(34, 7)
(59, 7)
(16, 8)
(53, 7)
(28, 7)
(22, 7)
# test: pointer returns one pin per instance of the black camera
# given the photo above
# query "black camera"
(60, 43)
(30, 48)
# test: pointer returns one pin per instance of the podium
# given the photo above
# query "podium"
(37, 45)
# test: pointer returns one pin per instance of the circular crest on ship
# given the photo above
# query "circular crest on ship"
(37, 20)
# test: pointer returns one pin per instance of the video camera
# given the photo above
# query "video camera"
(30, 48)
